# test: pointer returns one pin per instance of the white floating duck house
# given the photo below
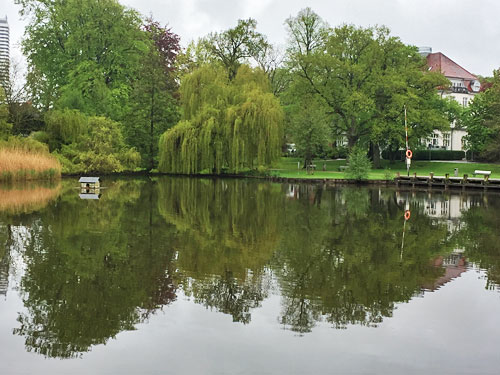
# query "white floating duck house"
(90, 182)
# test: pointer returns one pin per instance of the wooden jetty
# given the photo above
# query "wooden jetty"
(447, 182)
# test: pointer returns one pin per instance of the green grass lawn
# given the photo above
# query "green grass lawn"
(287, 167)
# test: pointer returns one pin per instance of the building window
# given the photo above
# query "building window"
(435, 139)
(465, 102)
(464, 143)
(446, 139)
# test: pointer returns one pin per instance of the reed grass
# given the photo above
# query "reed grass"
(23, 161)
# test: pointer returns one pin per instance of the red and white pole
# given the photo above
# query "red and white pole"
(407, 154)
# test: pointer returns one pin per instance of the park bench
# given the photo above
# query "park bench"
(311, 168)
(484, 173)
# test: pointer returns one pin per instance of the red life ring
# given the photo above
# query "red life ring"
(407, 215)
(409, 154)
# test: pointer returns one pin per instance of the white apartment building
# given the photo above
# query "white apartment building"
(4, 49)
(463, 87)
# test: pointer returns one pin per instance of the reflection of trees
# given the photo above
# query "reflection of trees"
(342, 262)
(230, 295)
(97, 271)
(95, 268)
(227, 231)
(479, 236)
(18, 202)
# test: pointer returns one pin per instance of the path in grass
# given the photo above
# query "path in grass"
(287, 167)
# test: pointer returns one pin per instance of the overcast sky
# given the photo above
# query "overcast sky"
(467, 31)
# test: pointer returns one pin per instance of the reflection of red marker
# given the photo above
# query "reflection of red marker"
(407, 215)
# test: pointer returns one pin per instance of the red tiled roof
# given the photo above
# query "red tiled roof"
(450, 69)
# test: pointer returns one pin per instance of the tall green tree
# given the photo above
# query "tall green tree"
(364, 77)
(308, 125)
(154, 106)
(482, 121)
(231, 124)
(82, 54)
(5, 127)
(234, 46)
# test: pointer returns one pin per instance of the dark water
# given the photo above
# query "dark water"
(201, 276)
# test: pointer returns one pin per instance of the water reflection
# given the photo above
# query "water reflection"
(94, 268)
(25, 198)
(227, 232)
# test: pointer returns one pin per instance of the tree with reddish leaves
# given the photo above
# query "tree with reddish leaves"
(167, 44)
(154, 106)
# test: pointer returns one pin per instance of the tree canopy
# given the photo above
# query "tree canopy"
(82, 54)
(363, 77)
(226, 124)
(482, 121)
(234, 46)
(153, 100)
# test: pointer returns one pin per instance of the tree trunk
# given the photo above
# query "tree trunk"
(151, 128)
(375, 155)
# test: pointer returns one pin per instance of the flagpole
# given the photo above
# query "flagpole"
(408, 160)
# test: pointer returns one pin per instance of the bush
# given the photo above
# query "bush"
(41, 136)
(96, 162)
(359, 164)
(339, 152)
(424, 155)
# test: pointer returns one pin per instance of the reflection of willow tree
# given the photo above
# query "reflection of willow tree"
(340, 261)
(227, 231)
(480, 237)
(93, 269)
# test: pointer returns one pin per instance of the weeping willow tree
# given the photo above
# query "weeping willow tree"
(226, 124)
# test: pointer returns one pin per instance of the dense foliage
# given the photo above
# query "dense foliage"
(153, 103)
(482, 121)
(363, 77)
(226, 124)
(338, 87)
(82, 54)
(425, 155)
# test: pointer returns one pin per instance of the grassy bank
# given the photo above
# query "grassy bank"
(26, 159)
(288, 168)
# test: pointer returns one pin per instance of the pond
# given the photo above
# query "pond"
(231, 276)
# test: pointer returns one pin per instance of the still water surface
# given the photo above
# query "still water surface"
(205, 276)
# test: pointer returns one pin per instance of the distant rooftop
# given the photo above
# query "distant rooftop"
(450, 69)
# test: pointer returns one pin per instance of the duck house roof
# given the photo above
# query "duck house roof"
(89, 179)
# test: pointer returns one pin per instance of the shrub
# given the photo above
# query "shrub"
(359, 164)
(338, 152)
(41, 136)
(424, 155)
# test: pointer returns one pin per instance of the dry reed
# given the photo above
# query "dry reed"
(19, 164)
(18, 201)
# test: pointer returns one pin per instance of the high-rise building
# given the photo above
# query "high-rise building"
(4, 50)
